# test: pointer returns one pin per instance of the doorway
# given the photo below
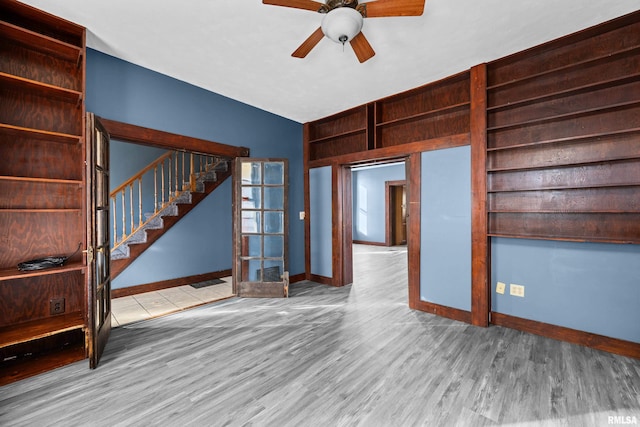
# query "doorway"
(396, 213)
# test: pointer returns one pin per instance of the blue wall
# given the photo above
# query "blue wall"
(593, 287)
(369, 220)
(122, 91)
(320, 192)
(445, 228)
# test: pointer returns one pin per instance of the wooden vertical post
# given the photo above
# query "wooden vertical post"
(480, 287)
(413, 177)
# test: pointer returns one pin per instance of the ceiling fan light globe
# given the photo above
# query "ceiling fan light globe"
(342, 24)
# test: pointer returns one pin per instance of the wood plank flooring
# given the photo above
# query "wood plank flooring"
(352, 356)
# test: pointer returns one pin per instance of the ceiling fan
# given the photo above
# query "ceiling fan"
(344, 18)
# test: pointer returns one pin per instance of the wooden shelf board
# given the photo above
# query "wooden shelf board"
(563, 93)
(565, 165)
(570, 187)
(573, 65)
(42, 180)
(426, 114)
(550, 211)
(39, 88)
(41, 328)
(14, 273)
(43, 210)
(562, 239)
(566, 139)
(559, 117)
(41, 42)
(39, 134)
(338, 135)
(15, 370)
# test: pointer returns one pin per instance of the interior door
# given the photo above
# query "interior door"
(260, 227)
(98, 242)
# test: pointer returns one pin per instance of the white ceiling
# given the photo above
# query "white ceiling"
(242, 49)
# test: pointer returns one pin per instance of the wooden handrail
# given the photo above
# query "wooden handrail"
(141, 172)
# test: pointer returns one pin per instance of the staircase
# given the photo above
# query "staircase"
(180, 181)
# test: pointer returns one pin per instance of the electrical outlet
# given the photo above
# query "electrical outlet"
(302, 215)
(516, 290)
(500, 288)
(56, 305)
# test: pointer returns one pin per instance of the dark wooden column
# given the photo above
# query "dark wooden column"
(413, 177)
(480, 286)
(342, 258)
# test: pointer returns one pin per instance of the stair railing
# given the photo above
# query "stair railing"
(168, 177)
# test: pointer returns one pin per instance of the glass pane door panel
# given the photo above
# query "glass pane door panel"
(251, 222)
(252, 246)
(251, 270)
(274, 198)
(273, 246)
(274, 173)
(251, 173)
(273, 271)
(251, 198)
(274, 222)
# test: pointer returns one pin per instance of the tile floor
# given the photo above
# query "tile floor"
(158, 303)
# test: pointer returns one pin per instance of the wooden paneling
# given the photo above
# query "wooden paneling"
(564, 138)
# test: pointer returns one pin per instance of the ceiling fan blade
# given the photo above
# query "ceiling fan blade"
(297, 4)
(382, 8)
(362, 48)
(309, 44)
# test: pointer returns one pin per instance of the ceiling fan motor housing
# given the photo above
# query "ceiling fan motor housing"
(342, 24)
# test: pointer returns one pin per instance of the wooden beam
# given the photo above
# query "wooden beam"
(140, 135)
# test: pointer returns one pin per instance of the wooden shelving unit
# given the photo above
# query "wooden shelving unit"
(433, 111)
(563, 146)
(42, 190)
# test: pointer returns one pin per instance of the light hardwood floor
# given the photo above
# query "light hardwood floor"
(329, 357)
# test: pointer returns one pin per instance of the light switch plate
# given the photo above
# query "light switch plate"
(500, 288)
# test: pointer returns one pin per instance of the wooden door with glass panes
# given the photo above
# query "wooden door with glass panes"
(98, 242)
(260, 227)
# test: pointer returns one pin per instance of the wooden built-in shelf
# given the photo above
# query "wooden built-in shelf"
(564, 187)
(591, 87)
(42, 43)
(576, 65)
(561, 117)
(39, 134)
(14, 273)
(427, 114)
(565, 139)
(338, 135)
(41, 89)
(19, 369)
(41, 328)
(563, 165)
